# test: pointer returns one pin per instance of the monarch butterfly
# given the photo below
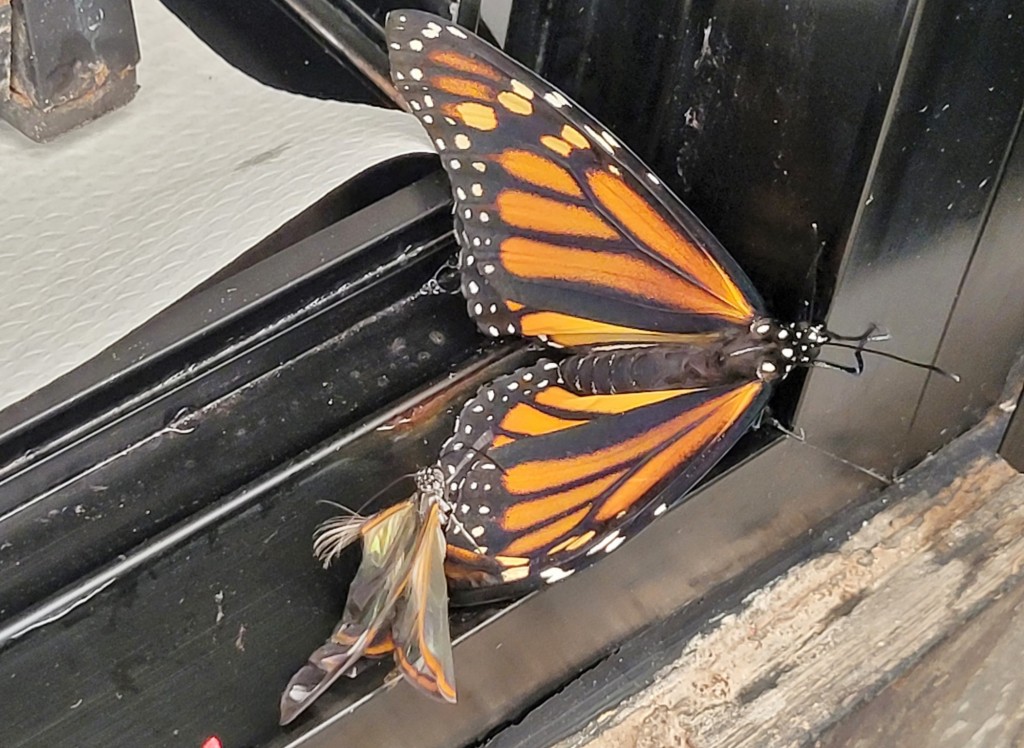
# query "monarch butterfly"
(567, 238)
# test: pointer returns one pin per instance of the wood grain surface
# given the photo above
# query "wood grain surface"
(865, 645)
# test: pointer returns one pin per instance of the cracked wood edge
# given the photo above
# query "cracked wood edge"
(820, 640)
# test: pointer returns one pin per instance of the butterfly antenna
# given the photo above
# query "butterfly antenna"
(359, 512)
(859, 350)
(350, 512)
(802, 438)
(483, 454)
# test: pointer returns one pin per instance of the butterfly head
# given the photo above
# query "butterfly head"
(782, 347)
(430, 489)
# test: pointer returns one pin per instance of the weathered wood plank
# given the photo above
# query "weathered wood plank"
(966, 693)
(828, 635)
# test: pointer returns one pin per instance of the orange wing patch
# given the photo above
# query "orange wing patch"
(527, 420)
(473, 114)
(463, 64)
(716, 417)
(540, 475)
(464, 88)
(574, 137)
(527, 514)
(536, 260)
(537, 539)
(528, 211)
(515, 103)
(566, 329)
(632, 211)
(540, 172)
(559, 146)
(557, 397)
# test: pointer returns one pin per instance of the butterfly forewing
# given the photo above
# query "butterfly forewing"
(388, 545)
(547, 477)
(565, 234)
(420, 629)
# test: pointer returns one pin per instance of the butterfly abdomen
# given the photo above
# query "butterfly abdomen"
(642, 369)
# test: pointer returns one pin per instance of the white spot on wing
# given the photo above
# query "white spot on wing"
(615, 544)
(600, 544)
(660, 510)
(456, 31)
(555, 574)
(462, 142)
(556, 99)
(598, 138)
(416, 45)
(515, 573)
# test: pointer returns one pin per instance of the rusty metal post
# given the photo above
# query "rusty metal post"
(65, 62)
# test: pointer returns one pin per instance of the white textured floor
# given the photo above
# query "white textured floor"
(111, 223)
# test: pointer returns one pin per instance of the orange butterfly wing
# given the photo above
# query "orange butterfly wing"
(566, 236)
(545, 478)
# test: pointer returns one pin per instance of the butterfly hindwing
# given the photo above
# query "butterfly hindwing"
(548, 477)
(566, 235)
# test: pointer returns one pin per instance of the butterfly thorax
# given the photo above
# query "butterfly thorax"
(766, 351)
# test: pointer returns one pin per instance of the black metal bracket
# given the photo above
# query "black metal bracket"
(64, 63)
